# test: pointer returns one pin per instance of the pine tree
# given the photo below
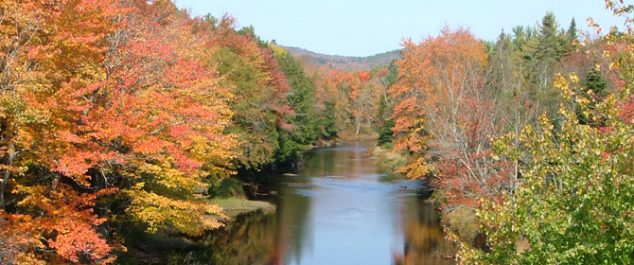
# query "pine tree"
(571, 33)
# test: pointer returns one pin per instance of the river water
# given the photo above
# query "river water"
(339, 209)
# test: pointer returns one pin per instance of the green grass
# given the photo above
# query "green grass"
(235, 206)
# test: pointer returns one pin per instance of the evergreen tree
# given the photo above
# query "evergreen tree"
(594, 89)
(546, 51)
(301, 99)
(329, 121)
(549, 49)
(571, 33)
(385, 121)
(571, 38)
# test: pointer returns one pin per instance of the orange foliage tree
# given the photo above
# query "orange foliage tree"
(354, 96)
(119, 101)
(443, 119)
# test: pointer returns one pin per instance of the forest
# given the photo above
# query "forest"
(125, 117)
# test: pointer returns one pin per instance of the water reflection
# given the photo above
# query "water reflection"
(337, 211)
(424, 241)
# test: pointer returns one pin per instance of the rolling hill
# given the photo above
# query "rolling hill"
(345, 63)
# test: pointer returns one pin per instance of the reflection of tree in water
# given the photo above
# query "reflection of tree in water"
(347, 162)
(255, 239)
(283, 237)
(424, 240)
(292, 213)
(249, 240)
(294, 207)
(258, 239)
(319, 163)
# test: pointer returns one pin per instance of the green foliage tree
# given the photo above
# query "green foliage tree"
(328, 123)
(255, 104)
(301, 98)
(385, 106)
(594, 89)
(571, 33)
(596, 85)
(574, 200)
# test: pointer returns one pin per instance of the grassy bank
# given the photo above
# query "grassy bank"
(235, 206)
(388, 160)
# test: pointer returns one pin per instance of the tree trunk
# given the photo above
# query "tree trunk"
(7, 172)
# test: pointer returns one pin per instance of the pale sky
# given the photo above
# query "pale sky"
(367, 27)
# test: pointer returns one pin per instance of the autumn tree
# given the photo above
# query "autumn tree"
(348, 101)
(259, 93)
(325, 106)
(20, 26)
(123, 102)
(442, 118)
(573, 203)
(367, 103)
(46, 207)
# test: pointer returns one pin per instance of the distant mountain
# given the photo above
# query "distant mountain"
(346, 63)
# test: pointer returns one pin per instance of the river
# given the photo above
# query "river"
(339, 209)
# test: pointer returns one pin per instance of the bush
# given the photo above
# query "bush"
(230, 187)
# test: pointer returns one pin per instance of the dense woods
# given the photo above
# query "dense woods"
(120, 116)
(532, 134)
(131, 114)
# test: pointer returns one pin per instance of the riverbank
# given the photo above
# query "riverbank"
(351, 136)
(336, 208)
(388, 160)
(459, 222)
(235, 206)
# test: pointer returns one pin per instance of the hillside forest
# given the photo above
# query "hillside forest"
(123, 117)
